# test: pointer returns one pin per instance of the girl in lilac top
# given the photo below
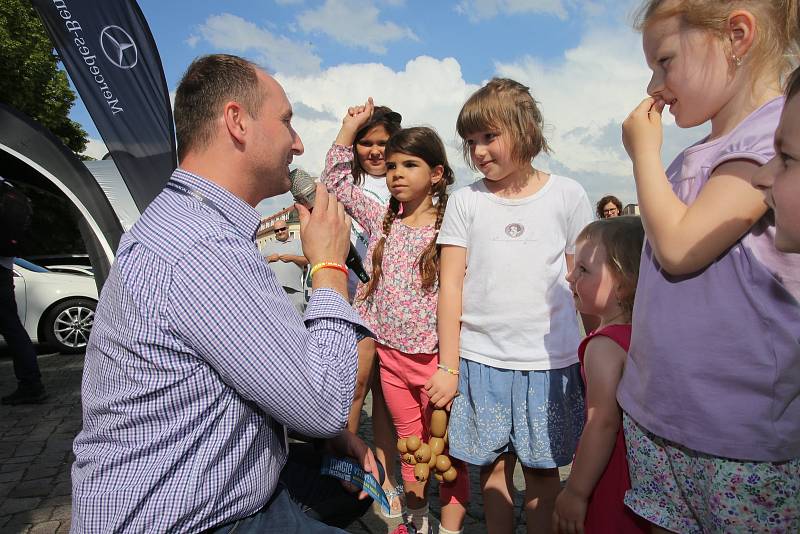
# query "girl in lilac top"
(710, 391)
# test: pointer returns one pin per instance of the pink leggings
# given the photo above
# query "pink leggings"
(403, 378)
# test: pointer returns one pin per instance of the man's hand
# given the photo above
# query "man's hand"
(273, 258)
(324, 232)
(348, 444)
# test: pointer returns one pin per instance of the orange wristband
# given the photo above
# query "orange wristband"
(328, 265)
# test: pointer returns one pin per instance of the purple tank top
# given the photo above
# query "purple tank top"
(714, 362)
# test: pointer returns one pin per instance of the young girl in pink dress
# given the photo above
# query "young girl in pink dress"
(400, 301)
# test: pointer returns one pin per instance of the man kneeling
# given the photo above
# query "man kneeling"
(197, 361)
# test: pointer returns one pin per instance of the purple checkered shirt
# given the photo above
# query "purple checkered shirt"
(196, 361)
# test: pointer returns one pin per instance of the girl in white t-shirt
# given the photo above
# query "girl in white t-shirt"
(369, 173)
(506, 317)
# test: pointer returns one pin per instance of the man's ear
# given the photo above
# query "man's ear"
(235, 118)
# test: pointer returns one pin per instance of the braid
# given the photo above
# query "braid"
(429, 259)
(377, 254)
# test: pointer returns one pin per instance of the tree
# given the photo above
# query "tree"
(32, 82)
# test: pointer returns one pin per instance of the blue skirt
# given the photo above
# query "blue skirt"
(537, 415)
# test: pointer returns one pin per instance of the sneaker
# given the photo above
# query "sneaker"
(396, 498)
(405, 528)
(26, 395)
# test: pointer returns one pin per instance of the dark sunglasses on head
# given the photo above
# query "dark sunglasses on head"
(280, 229)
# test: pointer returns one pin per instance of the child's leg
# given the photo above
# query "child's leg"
(541, 489)
(548, 419)
(366, 366)
(383, 432)
(404, 404)
(382, 429)
(497, 486)
(453, 496)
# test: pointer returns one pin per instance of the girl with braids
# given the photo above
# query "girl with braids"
(399, 302)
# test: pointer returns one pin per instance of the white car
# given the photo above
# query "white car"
(55, 308)
(70, 269)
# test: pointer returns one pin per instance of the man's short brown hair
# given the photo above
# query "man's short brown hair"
(208, 83)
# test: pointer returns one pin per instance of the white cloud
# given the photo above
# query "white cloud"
(320, 100)
(584, 96)
(228, 32)
(426, 92)
(354, 23)
(95, 148)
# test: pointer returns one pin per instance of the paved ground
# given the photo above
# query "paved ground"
(36, 455)
(36, 449)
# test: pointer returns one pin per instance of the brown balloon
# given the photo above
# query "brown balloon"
(423, 454)
(421, 472)
(443, 463)
(450, 475)
(409, 458)
(438, 423)
(437, 446)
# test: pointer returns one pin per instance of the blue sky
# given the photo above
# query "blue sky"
(581, 59)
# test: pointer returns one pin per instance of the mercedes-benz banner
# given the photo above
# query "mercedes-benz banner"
(111, 57)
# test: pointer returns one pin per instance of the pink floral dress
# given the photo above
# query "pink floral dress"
(400, 312)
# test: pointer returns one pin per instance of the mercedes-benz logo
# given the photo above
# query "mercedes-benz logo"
(119, 48)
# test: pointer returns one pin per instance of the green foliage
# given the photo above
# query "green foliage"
(31, 81)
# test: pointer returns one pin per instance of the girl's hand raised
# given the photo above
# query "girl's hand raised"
(442, 388)
(355, 118)
(642, 132)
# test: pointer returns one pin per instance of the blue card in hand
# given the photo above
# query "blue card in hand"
(350, 471)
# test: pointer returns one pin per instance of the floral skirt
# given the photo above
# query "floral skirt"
(687, 491)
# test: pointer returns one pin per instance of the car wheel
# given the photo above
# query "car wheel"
(67, 326)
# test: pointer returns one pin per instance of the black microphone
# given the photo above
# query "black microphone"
(304, 191)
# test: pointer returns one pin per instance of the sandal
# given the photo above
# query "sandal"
(396, 493)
